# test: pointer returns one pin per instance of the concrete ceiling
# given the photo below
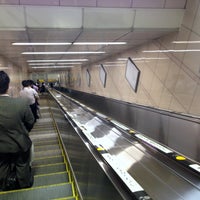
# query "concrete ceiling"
(131, 21)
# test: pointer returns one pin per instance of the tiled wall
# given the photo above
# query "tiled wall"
(15, 74)
(172, 83)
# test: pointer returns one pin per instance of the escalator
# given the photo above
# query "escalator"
(52, 177)
(148, 169)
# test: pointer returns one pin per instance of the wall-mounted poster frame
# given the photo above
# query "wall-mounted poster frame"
(88, 77)
(132, 74)
(103, 75)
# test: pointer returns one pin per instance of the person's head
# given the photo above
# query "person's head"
(25, 83)
(4, 82)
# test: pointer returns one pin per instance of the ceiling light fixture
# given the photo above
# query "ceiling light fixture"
(67, 60)
(61, 53)
(52, 67)
(171, 51)
(66, 43)
(99, 43)
(117, 62)
(40, 43)
(186, 42)
(145, 58)
(38, 64)
(35, 64)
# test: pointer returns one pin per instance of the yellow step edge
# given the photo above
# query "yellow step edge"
(64, 198)
(51, 174)
(34, 188)
(54, 164)
(47, 151)
(40, 146)
(43, 158)
(46, 141)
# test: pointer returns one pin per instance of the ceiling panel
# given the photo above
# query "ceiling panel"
(96, 17)
(11, 17)
(175, 3)
(158, 18)
(12, 2)
(53, 35)
(148, 3)
(77, 24)
(79, 3)
(53, 17)
(114, 3)
(40, 2)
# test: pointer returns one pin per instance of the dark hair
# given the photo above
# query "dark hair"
(25, 83)
(4, 82)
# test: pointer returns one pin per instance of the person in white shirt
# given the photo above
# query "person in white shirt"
(31, 95)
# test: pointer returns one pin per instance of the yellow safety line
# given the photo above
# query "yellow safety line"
(65, 161)
(34, 188)
(47, 150)
(64, 156)
(42, 158)
(45, 145)
(50, 174)
(53, 164)
(46, 141)
(64, 198)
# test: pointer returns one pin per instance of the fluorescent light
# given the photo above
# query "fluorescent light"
(40, 43)
(70, 60)
(60, 53)
(76, 63)
(186, 42)
(52, 67)
(117, 62)
(34, 64)
(172, 51)
(38, 64)
(145, 58)
(67, 43)
(117, 65)
(99, 43)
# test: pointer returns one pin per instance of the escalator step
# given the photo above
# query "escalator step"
(51, 179)
(40, 193)
(41, 137)
(48, 160)
(38, 132)
(49, 153)
(46, 142)
(46, 147)
(47, 169)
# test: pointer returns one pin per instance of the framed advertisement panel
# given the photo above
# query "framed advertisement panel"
(132, 74)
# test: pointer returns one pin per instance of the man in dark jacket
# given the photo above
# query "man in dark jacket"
(16, 120)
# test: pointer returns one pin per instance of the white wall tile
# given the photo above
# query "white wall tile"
(195, 107)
